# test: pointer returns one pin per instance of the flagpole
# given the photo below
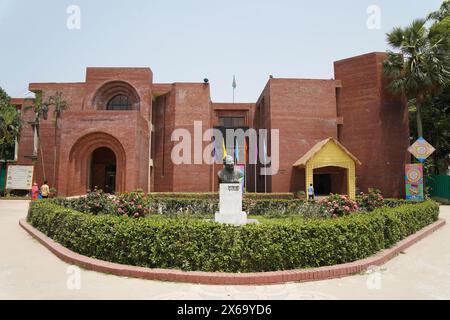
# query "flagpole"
(234, 86)
(256, 165)
(245, 165)
(214, 161)
(265, 179)
(245, 161)
(256, 187)
(265, 166)
(245, 177)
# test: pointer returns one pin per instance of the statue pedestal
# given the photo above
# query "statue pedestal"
(231, 205)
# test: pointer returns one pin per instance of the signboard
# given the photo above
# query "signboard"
(414, 182)
(19, 177)
(421, 149)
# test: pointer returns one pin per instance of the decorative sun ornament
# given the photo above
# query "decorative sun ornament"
(421, 149)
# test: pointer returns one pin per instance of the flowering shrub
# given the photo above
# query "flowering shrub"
(96, 202)
(371, 200)
(338, 205)
(132, 205)
(137, 204)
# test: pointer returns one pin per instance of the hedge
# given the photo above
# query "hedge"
(392, 203)
(197, 207)
(207, 207)
(215, 195)
(201, 245)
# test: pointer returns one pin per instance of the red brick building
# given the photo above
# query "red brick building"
(117, 132)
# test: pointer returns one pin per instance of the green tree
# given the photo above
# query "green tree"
(436, 110)
(420, 66)
(436, 122)
(59, 106)
(442, 14)
(40, 110)
(10, 124)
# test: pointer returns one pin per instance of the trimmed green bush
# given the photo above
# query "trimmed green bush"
(215, 195)
(392, 203)
(97, 203)
(404, 220)
(200, 245)
(200, 208)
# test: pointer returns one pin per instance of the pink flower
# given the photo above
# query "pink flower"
(334, 216)
(346, 208)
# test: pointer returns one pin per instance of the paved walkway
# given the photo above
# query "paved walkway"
(29, 271)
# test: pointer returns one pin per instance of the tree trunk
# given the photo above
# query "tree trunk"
(42, 153)
(54, 154)
(419, 117)
(35, 140)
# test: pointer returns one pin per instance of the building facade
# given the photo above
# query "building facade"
(117, 132)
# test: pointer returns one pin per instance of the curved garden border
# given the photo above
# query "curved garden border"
(261, 278)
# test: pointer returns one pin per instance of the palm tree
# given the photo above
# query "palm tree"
(40, 110)
(59, 106)
(420, 67)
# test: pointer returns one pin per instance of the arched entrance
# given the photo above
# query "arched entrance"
(330, 179)
(103, 170)
(330, 168)
(96, 159)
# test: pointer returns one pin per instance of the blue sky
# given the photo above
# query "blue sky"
(192, 39)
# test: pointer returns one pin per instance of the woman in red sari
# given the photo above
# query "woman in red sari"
(35, 191)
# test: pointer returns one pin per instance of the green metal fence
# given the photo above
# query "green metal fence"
(439, 186)
(2, 177)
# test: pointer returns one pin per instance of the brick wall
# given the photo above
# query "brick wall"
(375, 127)
(304, 112)
(355, 108)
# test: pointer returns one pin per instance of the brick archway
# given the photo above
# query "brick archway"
(80, 160)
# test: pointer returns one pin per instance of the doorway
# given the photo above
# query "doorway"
(103, 170)
(330, 180)
(322, 184)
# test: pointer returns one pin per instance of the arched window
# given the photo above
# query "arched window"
(116, 95)
(119, 102)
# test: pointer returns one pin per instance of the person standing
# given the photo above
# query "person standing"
(35, 191)
(311, 192)
(45, 190)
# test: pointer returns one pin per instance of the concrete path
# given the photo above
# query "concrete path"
(29, 271)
